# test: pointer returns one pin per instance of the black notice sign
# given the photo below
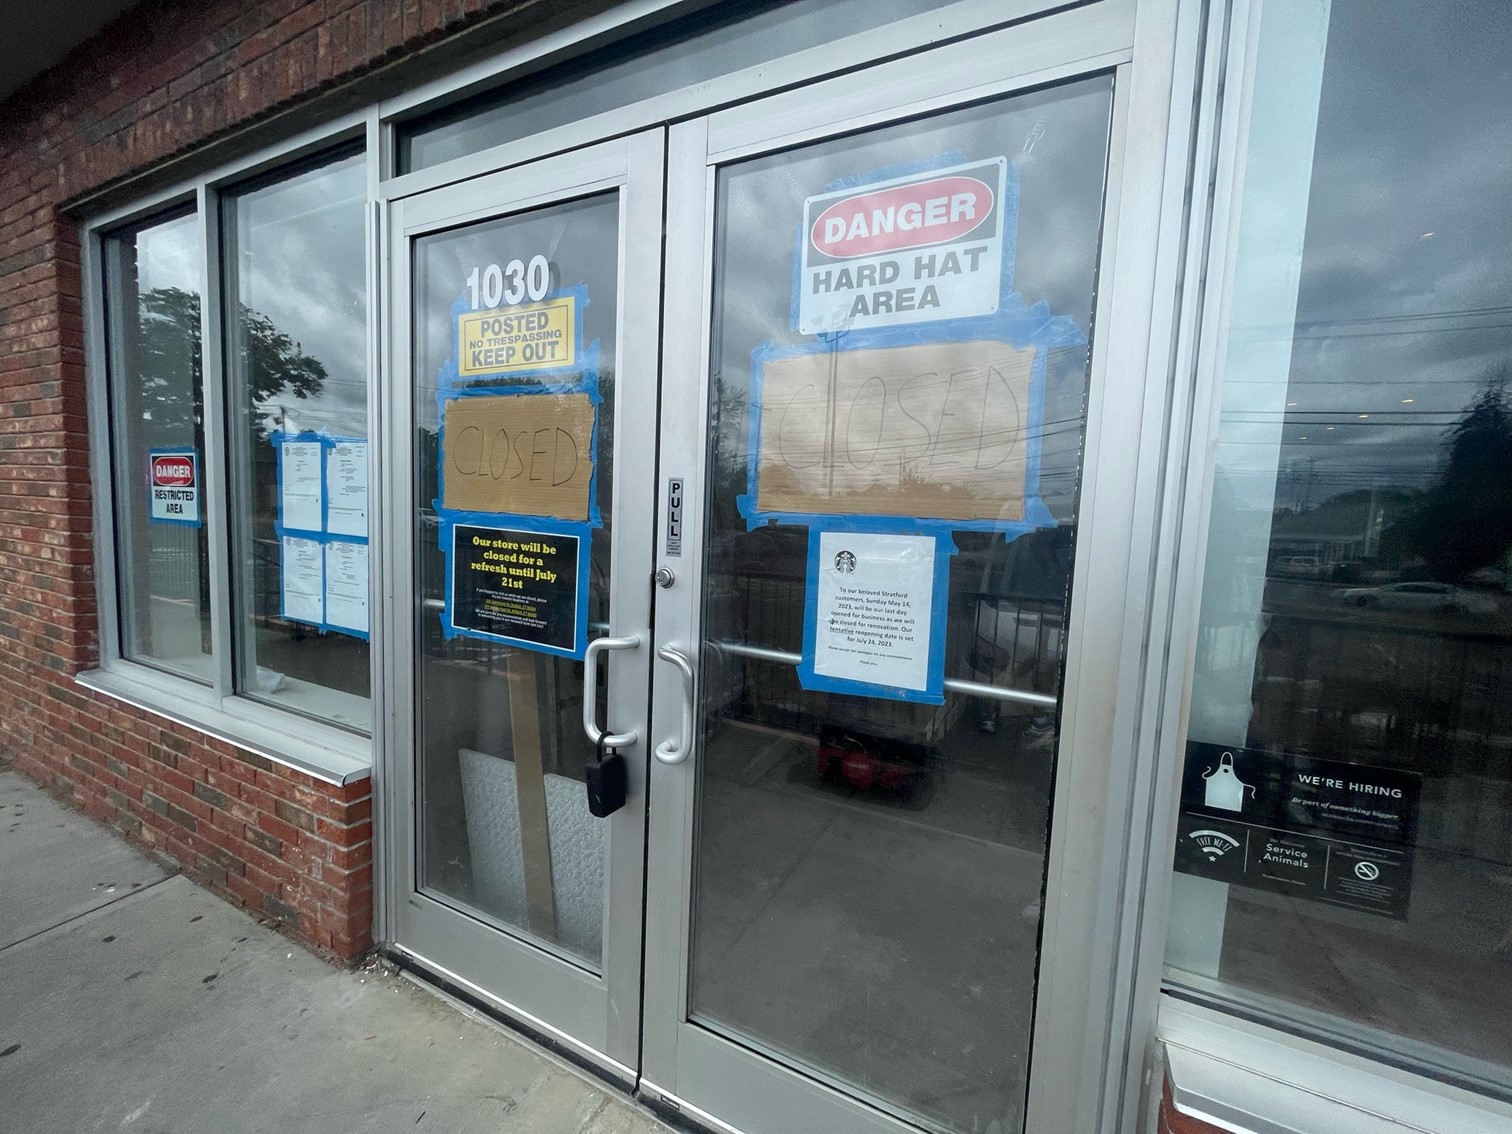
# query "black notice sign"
(518, 586)
(1321, 829)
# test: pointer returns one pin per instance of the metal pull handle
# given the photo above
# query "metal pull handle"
(596, 647)
(676, 751)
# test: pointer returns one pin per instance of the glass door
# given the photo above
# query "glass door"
(873, 486)
(525, 344)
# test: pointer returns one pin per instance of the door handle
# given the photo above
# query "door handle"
(596, 647)
(676, 751)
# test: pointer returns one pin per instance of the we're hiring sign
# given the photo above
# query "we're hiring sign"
(907, 250)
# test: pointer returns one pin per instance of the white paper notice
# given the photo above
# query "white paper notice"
(875, 596)
(302, 488)
(347, 488)
(303, 585)
(346, 586)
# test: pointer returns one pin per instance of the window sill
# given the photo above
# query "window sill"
(326, 753)
(1247, 1078)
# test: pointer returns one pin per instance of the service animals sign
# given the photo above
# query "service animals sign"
(173, 486)
(909, 250)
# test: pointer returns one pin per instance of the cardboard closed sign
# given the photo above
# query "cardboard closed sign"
(523, 454)
(934, 431)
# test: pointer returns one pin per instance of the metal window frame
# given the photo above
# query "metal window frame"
(323, 751)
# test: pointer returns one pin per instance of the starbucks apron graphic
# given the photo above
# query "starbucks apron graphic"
(1223, 788)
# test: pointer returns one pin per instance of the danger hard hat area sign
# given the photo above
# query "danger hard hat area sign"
(910, 250)
(173, 487)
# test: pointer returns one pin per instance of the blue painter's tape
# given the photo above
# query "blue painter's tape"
(199, 485)
(450, 374)
(934, 691)
(583, 532)
(587, 383)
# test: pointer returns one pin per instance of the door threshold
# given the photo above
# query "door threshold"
(562, 1050)
(675, 1112)
(473, 1001)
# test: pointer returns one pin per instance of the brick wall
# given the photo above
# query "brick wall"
(167, 79)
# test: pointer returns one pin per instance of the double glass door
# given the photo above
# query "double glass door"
(746, 463)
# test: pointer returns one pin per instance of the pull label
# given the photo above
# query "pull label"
(674, 515)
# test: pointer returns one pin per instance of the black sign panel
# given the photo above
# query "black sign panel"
(1326, 830)
(518, 586)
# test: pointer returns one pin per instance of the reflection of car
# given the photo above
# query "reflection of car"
(867, 762)
(1439, 598)
(1299, 566)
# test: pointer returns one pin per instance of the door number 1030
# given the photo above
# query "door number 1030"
(513, 283)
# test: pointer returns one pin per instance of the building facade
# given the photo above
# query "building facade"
(855, 567)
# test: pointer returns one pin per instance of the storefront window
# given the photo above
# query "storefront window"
(1344, 845)
(152, 287)
(296, 326)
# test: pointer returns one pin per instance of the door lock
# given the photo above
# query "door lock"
(664, 577)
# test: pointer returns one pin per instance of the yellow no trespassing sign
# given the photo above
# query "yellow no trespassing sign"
(532, 336)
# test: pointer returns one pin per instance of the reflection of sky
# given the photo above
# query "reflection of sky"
(1407, 267)
(302, 248)
(168, 256)
(1058, 141)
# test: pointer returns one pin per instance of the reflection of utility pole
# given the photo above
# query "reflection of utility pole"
(1302, 483)
(1375, 520)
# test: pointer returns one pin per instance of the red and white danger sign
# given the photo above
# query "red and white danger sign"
(173, 487)
(909, 250)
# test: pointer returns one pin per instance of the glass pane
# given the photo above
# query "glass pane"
(504, 823)
(869, 868)
(1344, 848)
(152, 287)
(296, 354)
(688, 52)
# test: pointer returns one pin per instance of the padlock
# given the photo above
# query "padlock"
(608, 779)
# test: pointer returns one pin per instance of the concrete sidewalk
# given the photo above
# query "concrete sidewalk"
(132, 1000)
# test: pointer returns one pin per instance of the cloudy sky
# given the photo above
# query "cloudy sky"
(1405, 298)
(300, 262)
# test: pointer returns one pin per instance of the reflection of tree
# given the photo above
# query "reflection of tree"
(1465, 522)
(169, 368)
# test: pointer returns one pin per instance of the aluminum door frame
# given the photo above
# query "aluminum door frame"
(596, 1017)
(1084, 1020)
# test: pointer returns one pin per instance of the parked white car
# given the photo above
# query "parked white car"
(1299, 566)
(1436, 598)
